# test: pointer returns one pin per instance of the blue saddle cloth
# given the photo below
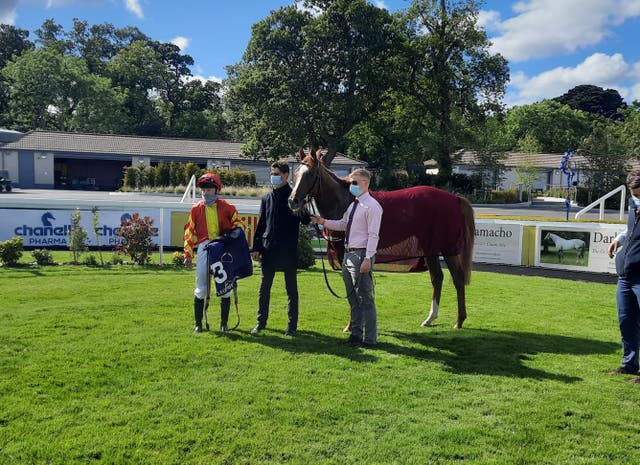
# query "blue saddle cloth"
(229, 261)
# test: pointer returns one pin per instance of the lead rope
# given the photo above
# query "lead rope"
(312, 210)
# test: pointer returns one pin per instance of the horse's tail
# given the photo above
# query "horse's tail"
(469, 233)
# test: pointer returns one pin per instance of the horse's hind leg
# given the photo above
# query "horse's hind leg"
(435, 271)
(457, 274)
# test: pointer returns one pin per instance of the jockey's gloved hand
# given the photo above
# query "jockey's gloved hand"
(229, 235)
(235, 232)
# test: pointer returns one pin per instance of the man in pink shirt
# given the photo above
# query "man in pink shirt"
(361, 223)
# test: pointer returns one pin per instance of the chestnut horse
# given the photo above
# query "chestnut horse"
(419, 225)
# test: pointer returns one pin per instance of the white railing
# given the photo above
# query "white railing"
(623, 204)
(190, 191)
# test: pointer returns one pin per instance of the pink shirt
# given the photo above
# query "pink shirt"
(365, 227)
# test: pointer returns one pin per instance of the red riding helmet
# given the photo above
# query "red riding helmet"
(209, 180)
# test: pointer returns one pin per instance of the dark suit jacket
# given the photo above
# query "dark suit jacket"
(276, 236)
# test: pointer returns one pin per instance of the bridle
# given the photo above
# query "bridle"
(310, 209)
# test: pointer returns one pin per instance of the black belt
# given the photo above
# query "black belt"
(355, 249)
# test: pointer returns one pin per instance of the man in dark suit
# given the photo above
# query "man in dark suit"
(275, 245)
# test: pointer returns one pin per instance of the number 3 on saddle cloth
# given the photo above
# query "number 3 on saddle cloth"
(229, 260)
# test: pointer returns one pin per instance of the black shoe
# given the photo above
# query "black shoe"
(290, 332)
(352, 340)
(622, 371)
(197, 329)
(369, 345)
(224, 329)
(257, 330)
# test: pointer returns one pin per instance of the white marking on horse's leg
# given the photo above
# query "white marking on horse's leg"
(433, 314)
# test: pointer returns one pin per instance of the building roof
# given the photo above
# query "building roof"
(517, 159)
(74, 142)
(8, 135)
(115, 144)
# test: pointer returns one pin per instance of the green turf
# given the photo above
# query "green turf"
(100, 366)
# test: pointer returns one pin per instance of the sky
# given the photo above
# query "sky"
(551, 45)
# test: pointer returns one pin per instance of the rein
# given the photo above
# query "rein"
(312, 210)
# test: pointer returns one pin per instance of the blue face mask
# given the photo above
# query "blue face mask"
(355, 190)
(636, 200)
(276, 180)
(209, 199)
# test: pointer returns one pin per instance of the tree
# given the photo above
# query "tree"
(77, 237)
(13, 43)
(593, 99)
(491, 152)
(70, 99)
(311, 79)
(453, 74)
(606, 156)
(137, 69)
(554, 126)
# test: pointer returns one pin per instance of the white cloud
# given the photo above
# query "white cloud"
(607, 71)
(203, 79)
(489, 19)
(7, 11)
(134, 7)
(543, 28)
(181, 42)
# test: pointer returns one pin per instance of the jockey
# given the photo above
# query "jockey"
(209, 219)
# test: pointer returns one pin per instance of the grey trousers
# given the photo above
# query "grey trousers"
(364, 320)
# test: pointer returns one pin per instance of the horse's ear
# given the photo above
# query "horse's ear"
(301, 153)
(314, 153)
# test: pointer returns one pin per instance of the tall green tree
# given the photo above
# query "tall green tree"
(308, 79)
(606, 156)
(593, 99)
(554, 126)
(69, 99)
(137, 70)
(13, 43)
(453, 73)
(491, 149)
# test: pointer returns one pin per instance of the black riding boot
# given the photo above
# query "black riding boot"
(225, 306)
(198, 311)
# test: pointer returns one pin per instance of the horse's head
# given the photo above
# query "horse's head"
(306, 182)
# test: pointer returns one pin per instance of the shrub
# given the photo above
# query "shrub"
(90, 260)
(77, 237)
(117, 260)
(177, 258)
(42, 257)
(136, 237)
(306, 257)
(11, 251)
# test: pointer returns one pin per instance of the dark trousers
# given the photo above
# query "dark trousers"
(628, 298)
(291, 284)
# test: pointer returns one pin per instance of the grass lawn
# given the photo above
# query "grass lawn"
(99, 365)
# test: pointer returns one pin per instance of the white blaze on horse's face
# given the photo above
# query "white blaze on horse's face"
(294, 193)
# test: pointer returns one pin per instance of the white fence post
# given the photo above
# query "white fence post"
(190, 190)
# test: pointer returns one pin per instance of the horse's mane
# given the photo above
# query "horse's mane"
(319, 164)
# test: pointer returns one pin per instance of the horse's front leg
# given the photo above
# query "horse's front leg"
(435, 271)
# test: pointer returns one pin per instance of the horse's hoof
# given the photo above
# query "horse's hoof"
(426, 322)
(347, 329)
(457, 326)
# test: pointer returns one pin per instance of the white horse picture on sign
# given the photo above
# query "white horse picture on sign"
(565, 247)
